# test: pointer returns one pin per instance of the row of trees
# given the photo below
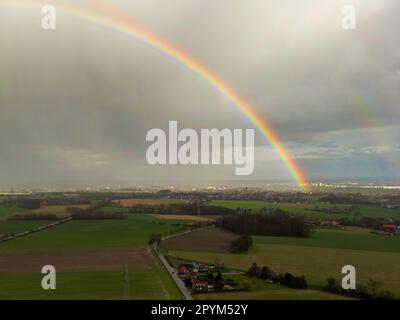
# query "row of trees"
(98, 216)
(287, 279)
(94, 213)
(373, 290)
(190, 209)
(266, 224)
(367, 222)
(25, 202)
(34, 216)
(31, 204)
(357, 199)
(155, 238)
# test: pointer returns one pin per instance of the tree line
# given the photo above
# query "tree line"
(287, 279)
(94, 213)
(183, 209)
(373, 290)
(266, 224)
(241, 244)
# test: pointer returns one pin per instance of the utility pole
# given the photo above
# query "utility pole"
(127, 284)
(198, 207)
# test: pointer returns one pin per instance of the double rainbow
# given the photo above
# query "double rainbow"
(127, 26)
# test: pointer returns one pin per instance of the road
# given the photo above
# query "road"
(172, 273)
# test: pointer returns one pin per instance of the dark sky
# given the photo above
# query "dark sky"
(76, 103)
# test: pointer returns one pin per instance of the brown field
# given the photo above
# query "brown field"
(133, 202)
(59, 211)
(80, 260)
(180, 217)
(209, 239)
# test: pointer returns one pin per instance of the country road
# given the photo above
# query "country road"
(37, 229)
(172, 273)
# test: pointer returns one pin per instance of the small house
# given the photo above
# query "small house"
(199, 285)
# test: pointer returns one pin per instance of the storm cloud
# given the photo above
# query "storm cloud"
(76, 102)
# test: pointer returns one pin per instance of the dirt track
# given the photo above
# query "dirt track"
(105, 259)
(209, 239)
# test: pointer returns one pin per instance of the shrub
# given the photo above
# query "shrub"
(365, 292)
(242, 244)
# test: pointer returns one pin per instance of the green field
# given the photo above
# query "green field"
(262, 290)
(349, 238)
(144, 284)
(133, 231)
(114, 209)
(8, 211)
(16, 226)
(315, 263)
(153, 283)
(308, 209)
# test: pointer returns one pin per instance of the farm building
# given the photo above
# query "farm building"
(199, 285)
(332, 223)
(391, 228)
(185, 268)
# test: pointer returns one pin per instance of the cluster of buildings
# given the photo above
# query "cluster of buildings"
(197, 276)
(330, 223)
(194, 267)
(391, 229)
(386, 229)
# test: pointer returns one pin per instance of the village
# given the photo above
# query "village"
(385, 229)
(200, 277)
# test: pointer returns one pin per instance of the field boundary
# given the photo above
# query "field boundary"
(37, 229)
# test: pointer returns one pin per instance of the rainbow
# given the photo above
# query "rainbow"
(127, 26)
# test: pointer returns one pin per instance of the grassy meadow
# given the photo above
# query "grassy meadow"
(105, 285)
(153, 283)
(262, 290)
(315, 263)
(134, 231)
(348, 238)
(312, 209)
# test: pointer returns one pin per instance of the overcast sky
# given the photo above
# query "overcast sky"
(76, 103)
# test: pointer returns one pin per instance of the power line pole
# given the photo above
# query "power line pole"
(198, 208)
(127, 284)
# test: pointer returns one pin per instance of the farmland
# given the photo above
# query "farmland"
(262, 290)
(8, 211)
(318, 257)
(144, 284)
(59, 211)
(134, 231)
(180, 217)
(133, 202)
(90, 257)
(78, 260)
(348, 238)
(7, 227)
(214, 239)
(315, 263)
(312, 209)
